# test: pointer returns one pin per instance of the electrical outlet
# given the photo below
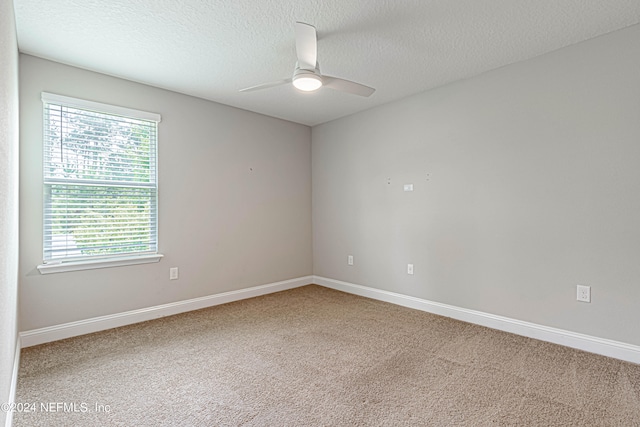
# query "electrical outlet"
(350, 260)
(584, 293)
(409, 268)
(408, 187)
(173, 273)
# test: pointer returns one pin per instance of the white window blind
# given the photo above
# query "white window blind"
(100, 180)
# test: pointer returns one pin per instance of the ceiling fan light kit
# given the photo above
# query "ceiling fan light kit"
(306, 76)
(306, 80)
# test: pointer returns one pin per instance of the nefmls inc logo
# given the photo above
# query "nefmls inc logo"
(64, 407)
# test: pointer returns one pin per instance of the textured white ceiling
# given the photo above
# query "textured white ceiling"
(213, 48)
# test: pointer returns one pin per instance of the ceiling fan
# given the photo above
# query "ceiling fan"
(306, 76)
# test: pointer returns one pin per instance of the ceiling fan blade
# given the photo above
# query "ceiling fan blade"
(347, 86)
(306, 46)
(266, 85)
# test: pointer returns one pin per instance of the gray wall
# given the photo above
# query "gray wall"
(527, 182)
(234, 201)
(8, 197)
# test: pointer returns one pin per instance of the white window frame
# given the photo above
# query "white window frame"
(78, 263)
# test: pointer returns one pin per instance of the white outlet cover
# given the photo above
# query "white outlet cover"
(350, 260)
(583, 293)
(408, 187)
(409, 268)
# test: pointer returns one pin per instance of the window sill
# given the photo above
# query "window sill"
(97, 263)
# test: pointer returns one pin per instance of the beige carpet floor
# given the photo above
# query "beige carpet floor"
(317, 357)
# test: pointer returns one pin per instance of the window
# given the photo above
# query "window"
(100, 186)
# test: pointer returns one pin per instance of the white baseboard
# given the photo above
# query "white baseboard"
(8, 421)
(605, 347)
(72, 329)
